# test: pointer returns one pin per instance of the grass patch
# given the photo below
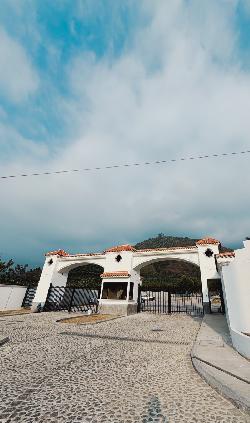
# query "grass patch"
(93, 318)
(15, 312)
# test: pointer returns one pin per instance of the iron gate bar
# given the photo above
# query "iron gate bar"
(29, 296)
(169, 302)
(71, 298)
(153, 300)
(79, 299)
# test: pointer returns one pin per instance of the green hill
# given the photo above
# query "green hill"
(161, 241)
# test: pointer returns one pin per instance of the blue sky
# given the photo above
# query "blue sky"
(52, 34)
(87, 82)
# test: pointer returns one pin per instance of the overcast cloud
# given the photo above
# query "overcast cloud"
(178, 87)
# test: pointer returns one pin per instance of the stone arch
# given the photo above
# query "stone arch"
(66, 267)
(149, 260)
(188, 276)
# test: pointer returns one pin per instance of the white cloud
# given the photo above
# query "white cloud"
(178, 91)
(18, 79)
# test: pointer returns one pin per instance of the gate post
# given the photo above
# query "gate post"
(71, 300)
(139, 299)
(169, 302)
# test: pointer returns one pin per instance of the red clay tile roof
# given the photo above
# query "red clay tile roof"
(116, 274)
(85, 254)
(188, 247)
(207, 241)
(119, 248)
(227, 254)
(60, 253)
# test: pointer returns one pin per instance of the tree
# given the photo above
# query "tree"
(18, 274)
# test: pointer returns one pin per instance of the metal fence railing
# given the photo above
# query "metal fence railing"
(163, 301)
(29, 296)
(71, 299)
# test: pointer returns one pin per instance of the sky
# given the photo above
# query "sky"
(91, 83)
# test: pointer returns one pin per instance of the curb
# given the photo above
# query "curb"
(228, 385)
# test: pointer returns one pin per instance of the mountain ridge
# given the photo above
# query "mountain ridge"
(168, 241)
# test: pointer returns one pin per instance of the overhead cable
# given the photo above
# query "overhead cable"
(90, 169)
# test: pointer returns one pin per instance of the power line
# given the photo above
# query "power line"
(90, 169)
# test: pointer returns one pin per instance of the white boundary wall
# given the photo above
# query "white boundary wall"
(235, 276)
(11, 297)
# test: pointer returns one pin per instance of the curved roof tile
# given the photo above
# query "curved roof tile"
(207, 241)
(119, 248)
(115, 274)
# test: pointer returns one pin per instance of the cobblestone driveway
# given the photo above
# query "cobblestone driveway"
(124, 370)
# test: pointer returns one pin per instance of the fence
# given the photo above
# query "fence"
(165, 302)
(29, 296)
(71, 299)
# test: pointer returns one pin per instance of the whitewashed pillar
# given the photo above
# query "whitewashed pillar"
(207, 249)
(49, 276)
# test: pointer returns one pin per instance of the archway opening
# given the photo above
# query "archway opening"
(175, 275)
(85, 276)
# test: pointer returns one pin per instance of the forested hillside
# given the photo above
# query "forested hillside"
(161, 241)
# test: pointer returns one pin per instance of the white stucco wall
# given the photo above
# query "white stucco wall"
(207, 267)
(112, 265)
(11, 296)
(65, 264)
(49, 275)
(235, 275)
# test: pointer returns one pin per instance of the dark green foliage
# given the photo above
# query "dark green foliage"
(19, 274)
(161, 241)
(174, 284)
(172, 274)
(165, 241)
(87, 276)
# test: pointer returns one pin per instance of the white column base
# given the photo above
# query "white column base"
(117, 307)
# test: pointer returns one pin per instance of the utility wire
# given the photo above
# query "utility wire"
(90, 169)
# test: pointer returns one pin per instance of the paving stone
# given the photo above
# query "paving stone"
(117, 371)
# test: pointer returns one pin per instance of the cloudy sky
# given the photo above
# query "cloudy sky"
(90, 83)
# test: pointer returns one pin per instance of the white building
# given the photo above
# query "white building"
(121, 271)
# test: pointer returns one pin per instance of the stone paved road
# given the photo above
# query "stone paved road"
(119, 371)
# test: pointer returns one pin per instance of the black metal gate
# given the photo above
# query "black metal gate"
(29, 296)
(71, 299)
(163, 301)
